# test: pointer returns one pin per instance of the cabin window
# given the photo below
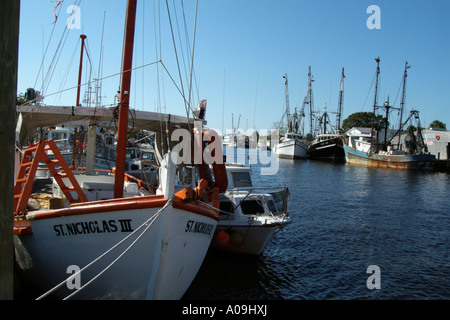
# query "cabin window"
(57, 136)
(272, 206)
(252, 207)
(149, 156)
(241, 179)
(132, 154)
(226, 206)
(109, 140)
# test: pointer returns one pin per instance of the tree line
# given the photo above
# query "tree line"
(366, 119)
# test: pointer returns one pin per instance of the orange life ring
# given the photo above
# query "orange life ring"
(437, 137)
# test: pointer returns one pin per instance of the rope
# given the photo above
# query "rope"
(373, 79)
(149, 222)
(186, 105)
(87, 83)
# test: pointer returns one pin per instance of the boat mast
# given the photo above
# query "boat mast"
(374, 103)
(124, 98)
(307, 100)
(340, 102)
(83, 37)
(402, 103)
(288, 112)
(310, 80)
(386, 123)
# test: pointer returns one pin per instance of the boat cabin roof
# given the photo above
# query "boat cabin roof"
(238, 176)
(359, 132)
(35, 116)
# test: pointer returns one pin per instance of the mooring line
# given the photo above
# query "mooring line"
(148, 222)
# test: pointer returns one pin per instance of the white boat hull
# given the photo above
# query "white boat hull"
(160, 265)
(292, 149)
(245, 239)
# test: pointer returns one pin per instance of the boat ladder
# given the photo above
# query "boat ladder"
(27, 173)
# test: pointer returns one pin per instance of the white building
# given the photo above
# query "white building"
(437, 141)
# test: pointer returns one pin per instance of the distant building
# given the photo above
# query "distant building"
(437, 141)
(365, 132)
(358, 131)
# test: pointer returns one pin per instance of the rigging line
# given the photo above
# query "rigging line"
(186, 107)
(46, 49)
(143, 52)
(57, 54)
(398, 92)
(187, 44)
(192, 54)
(174, 83)
(110, 76)
(158, 94)
(188, 41)
(147, 223)
(87, 49)
(100, 64)
(179, 39)
(66, 75)
(371, 85)
(53, 62)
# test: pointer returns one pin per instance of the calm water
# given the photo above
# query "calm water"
(344, 219)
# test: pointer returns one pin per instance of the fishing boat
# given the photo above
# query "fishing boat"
(374, 151)
(291, 146)
(328, 145)
(249, 216)
(141, 163)
(125, 245)
(71, 141)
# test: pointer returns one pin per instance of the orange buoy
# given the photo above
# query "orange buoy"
(223, 239)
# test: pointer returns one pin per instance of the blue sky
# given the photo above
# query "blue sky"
(244, 47)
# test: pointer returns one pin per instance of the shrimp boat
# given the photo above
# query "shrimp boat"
(291, 146)
(249, 216)
(328, 146)
(104, 238)
(368, 150)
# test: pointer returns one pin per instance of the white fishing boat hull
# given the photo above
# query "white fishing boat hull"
(161, 264)
(386, 160)
(292, 149)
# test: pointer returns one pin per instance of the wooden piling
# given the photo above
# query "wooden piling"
(9, 44)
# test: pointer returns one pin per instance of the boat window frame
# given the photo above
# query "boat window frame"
(272, 206)
(244, 208)
(239, 182)
(225, 212)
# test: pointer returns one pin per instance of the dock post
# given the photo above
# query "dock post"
(9, 44)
